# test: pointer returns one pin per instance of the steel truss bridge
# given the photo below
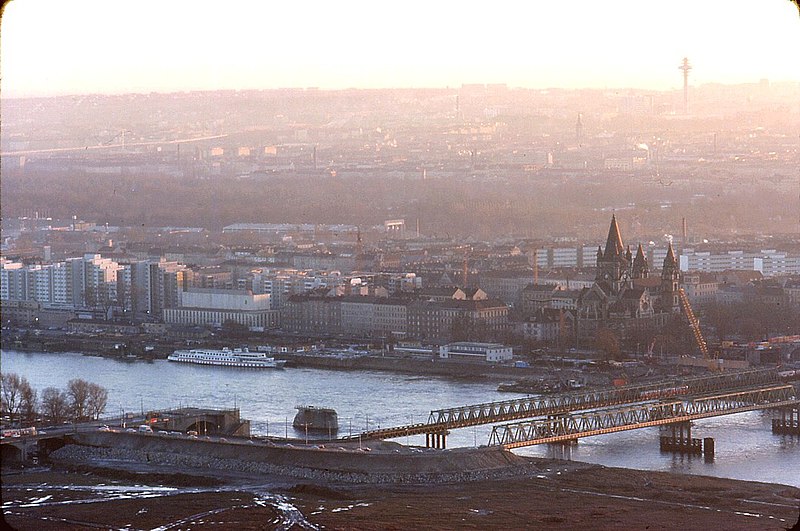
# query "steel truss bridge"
(570, 427)
(442, 420)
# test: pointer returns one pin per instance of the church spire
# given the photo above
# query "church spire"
(670, 260)
(670, 281)
(640, 267)
(614, 247)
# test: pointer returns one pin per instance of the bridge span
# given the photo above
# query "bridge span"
(442, 420)
(571, 427)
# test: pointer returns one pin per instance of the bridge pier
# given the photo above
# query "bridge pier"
(436, 440)
(562, 450)
(680, 441)
(788, 423)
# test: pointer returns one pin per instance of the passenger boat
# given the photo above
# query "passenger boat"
(238, 357)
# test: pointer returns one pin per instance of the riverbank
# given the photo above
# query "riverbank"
(561, 495)
(552, 371)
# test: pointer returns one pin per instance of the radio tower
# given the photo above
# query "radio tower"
(685, 67)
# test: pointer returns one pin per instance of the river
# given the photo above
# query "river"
(745, 446)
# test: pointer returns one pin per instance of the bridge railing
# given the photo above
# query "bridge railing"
(568, 427)
(537, 406)
(552, 404)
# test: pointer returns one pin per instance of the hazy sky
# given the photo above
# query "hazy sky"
(52, 47)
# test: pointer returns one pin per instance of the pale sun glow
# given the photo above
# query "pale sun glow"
(51, 47)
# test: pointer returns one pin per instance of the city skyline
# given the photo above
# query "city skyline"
(98, 47)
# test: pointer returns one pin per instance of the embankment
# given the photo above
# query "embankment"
(385, 463)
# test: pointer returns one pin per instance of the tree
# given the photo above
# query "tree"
(55, 405)
(78, 392)
(606, 341)
(97, 400)
(232, 329)
(678, 336)
(720, 317)
(28, 402)
(12, 388)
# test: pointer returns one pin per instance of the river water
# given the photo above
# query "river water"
(745, 446)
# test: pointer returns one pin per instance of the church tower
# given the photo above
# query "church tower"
(640, 269)
(670, 281)
(613, 264)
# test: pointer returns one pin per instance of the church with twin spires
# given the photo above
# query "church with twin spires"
(625, 298)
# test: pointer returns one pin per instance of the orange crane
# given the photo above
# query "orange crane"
(698, 335)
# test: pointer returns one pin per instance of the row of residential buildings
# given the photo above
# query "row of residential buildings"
(621, 295)
(769, 262)
(431, 315)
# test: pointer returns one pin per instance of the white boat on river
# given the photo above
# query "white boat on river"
(238, 357)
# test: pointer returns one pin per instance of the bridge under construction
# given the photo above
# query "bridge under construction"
(569, 416)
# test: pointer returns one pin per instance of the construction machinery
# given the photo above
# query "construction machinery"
(694, 323)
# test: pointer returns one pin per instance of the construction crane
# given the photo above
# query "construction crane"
(698, 335)
(694, 323)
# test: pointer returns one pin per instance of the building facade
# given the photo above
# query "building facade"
(487, 352)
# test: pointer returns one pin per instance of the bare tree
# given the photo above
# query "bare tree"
(78, 392)
(55, 405)
(606, 341)
(11, 395)
(28, 402)
(97, 401)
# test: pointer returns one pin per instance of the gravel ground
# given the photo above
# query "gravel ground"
(559, 495)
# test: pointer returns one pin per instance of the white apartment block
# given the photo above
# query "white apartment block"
(74, 283)
(769, 262)
(12, 281)
(565, 257)
(216, 306)
(282, 283)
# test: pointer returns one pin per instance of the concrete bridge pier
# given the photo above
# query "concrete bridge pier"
(787, 421)
(562, 449)
(680, 441)
(436, 440)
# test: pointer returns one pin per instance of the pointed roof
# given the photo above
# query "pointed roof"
(670, 258)
(614, 245)
(640, 258)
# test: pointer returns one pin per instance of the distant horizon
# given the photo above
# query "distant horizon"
(403, 88)
(55, 48)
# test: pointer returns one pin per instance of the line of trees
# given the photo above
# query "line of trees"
(519, 203)
(20, 404)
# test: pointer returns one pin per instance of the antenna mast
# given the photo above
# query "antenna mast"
(685, 67)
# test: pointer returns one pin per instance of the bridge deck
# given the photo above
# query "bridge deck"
(570, 427)
(529, 407)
